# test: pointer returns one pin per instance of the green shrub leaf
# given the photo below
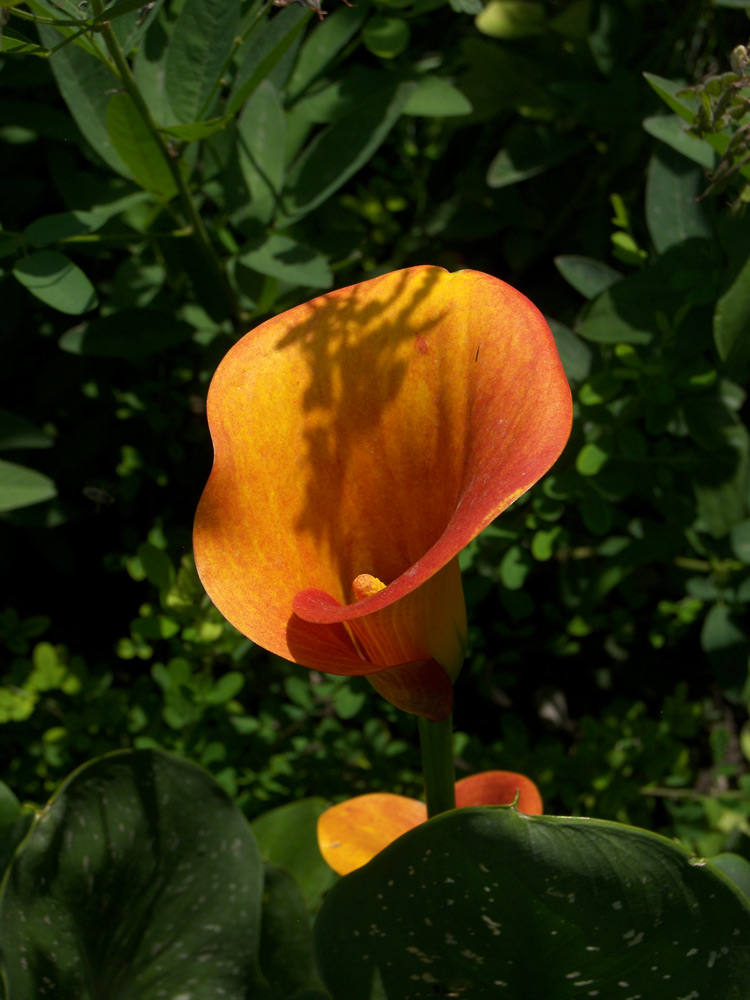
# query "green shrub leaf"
(323, 45)
(732, 320)
(86, 85)
(284, 258)
(129, 333)
(529, 150)
(436, 98)
(673, 214)
(201, 40)
(589, 277)
(55, 280)
(671, 130)
(138, 147)
(343, 148)
(287, 838)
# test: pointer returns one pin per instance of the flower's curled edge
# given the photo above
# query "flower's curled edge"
(351, 833)
(361, 440)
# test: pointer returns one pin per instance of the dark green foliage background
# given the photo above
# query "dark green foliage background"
(608, 607)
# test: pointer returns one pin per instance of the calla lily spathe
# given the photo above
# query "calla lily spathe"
(351, 833)
(361, 441)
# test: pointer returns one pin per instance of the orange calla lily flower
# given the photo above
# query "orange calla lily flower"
(351, 833)
(361, 440)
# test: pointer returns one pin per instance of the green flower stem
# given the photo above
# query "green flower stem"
(56, 21)
(186, 199)
(436, 739)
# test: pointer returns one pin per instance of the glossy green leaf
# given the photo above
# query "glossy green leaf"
(629, 311)
(436, 98)
(576, 356)
(511, 18)
(386, 37)
(264, 50)
(285, 954)
(670, 93)
(130, 21)
(129, 333)
(340, 150)
(490, 903)
(15, 821)
(598, 517)
(728, 648)
(157, 566)
(720, 479)
(285, 259)
(740, 540)
(323, 45)
(14, 41)
(139, 148)
(732, 320)
(514, 567)
(588, 276)
(735, 867)
(200, 42)
(154, 627)
(543, 543)
(685, 107)
(86, 85)
(347, 703)
(22, 487)
(149, 70)
(261, 133)
(9, 245)
(287, 837)
(673, 213)
(503, 78)
(227, 687)
(141, 876)
(529, 150)
(199, 130)
(18, 432)
(10, 807)
(671, 130)
(62, 226)
(55, 280)
(591, 459)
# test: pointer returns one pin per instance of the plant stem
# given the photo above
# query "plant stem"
(436, 740)
(186, 199)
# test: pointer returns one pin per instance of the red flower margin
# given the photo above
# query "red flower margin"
(361, 441)
(351, 833)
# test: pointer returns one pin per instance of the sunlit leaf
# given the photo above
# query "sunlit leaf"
(21, 487)
(55, 280)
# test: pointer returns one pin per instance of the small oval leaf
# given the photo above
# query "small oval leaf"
(54, 279)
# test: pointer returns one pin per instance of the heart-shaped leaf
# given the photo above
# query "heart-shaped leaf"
(140, 880)
(489, 903)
